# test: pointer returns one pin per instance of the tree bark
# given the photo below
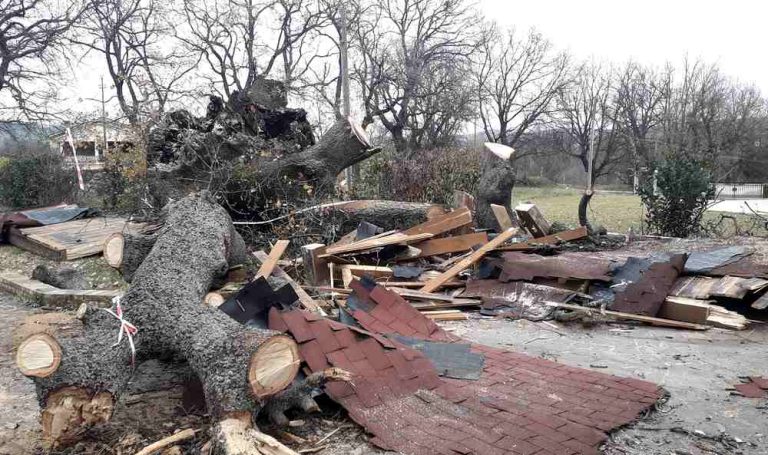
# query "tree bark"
(497, 180)
(238, 367)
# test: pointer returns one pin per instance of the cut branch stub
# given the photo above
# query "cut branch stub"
(39, 356)
(113, 249)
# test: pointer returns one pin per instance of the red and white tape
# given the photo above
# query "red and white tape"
(126, 328)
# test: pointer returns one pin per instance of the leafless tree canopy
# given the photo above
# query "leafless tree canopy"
(423, 72)
(517, 83)
(30, 31)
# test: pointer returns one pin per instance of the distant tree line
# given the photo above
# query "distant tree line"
(423, 72)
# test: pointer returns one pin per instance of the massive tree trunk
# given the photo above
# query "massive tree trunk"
(497, 180)
(80, 372)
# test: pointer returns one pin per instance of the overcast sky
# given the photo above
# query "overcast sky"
(732, 33)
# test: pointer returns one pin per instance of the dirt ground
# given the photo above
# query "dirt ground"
(697, 368)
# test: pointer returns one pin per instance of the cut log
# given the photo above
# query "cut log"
(213, 299)
(39, 355)
(239, 367)
(126, 252)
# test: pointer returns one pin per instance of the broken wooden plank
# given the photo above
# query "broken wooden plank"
(554, 239)
(631, 317)
(306, 301)
(440, 280)
(685, 309)
(701, 287)
(45, 294)
(443, 223)
(368, 244)
(449, 245)
(726, 319)
(315, 267)
(502, 217)
(445, 315)
(533, 220)
(274, 255)
(349, 272)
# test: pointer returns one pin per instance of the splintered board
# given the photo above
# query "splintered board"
(45, 294)
(70, 240)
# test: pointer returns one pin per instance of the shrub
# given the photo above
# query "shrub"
(676, 203)
(431, 176)
(122, 183)
(34, 180)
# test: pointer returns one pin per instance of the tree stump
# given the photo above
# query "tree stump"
(239, 367)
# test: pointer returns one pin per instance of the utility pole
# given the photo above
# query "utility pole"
(344, 75)
(104, 118)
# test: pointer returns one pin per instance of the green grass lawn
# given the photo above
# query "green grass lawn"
(619, 211)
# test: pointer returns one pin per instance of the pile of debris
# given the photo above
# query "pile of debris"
(408, 382)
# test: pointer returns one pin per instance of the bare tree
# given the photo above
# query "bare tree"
(132, 37)
(640, 97)
(29, 32)
(406, 46)
(242, 40)
(586, 115)
(517, 83)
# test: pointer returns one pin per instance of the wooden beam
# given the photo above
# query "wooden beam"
(532, 219)
(455, 244)
(502, 217)
(306, 301)
(631, 317)
(441, 279)
(368, 244)
(443, 223)
(685, 309)
(271, 262)
(554, 239)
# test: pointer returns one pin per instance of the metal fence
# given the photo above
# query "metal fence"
(741, 190)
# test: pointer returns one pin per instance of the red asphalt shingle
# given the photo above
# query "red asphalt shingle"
(520, 404)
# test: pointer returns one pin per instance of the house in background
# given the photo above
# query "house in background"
(93, 141)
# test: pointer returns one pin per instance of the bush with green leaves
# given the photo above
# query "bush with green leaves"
(431, 176)
(676, 203)
(34, 180)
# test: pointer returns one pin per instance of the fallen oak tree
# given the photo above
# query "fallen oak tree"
(239, 367)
